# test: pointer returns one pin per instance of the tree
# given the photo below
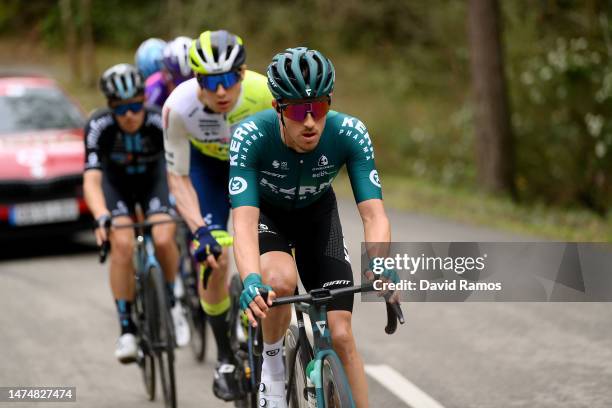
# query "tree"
(494, 139)
(89, 53)
(174, 18)
(70, 35)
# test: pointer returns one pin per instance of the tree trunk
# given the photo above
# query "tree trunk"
(70, 39)
(494, 140)
(89, 54)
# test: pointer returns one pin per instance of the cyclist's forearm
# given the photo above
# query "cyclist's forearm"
(376, 226)
(92, 190)
(186, 200)
(246, 240)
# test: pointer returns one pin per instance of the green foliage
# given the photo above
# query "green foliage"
(403, 68)
(561, 89)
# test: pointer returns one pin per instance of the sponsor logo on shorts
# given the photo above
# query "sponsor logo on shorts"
(92, 159)
(120, 209)
(374, 178)
(263, 228)
(154, 204)
(208, 219)
(237, 185)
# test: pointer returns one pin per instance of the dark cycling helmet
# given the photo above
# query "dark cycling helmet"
(148, 56)
(176, 59)
(298, 73)
(216, 52)
(122, 81)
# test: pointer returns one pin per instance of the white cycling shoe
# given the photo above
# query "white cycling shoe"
(272, 394)
(181, 327)
(127, 349)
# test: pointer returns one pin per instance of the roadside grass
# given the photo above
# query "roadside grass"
(477, 208)
(459, 203)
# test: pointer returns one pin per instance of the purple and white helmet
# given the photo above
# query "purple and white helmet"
(176, 59)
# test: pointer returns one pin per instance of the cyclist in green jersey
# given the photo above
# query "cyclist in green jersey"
(282, 164)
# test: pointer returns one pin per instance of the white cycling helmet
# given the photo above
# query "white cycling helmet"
(176, 59)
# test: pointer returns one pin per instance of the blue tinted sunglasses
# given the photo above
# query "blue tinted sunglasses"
(212, 82)
(124, 108)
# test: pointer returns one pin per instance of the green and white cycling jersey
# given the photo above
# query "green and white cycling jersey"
(262, 166)
(186, 120)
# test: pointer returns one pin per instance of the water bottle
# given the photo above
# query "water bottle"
(310, 386)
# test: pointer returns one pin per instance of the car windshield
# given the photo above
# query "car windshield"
(25, 109)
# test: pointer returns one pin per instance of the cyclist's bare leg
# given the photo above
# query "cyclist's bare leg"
(278, 270)
(121, 265)
(216, 290)
(344, 344)
(166, 250)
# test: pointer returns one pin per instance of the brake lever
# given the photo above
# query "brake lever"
(394, 314)
(258, 338)
(208, 269)
(104, 250)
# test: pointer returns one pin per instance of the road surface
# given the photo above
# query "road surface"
(59, 326)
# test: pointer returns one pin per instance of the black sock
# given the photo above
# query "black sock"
(220, 328)
(170, 290)
(124, 309)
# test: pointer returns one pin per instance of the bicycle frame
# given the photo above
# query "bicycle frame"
(146, 252)
(315, 305)
(322, 345)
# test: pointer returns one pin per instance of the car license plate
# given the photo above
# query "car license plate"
(44, 212)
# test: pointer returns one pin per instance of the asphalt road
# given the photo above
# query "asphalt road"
(58, 327)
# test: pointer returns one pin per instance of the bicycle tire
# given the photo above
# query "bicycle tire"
(147, 366)
(191, 302)
(296, 361)
(163, 338)
(146, 360)
(336, 391)
(197, 324)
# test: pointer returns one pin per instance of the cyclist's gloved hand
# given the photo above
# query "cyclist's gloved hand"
(103, 223)
(204, 244)
(252, 287)
(386, 275)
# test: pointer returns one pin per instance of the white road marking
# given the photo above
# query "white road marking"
(401, 387)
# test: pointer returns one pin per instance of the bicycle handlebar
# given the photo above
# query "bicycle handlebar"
(320, 296)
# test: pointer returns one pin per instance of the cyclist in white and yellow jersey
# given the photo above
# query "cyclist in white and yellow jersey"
(199, 117)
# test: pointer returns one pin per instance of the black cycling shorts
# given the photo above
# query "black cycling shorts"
(150, 190)
(316, 236)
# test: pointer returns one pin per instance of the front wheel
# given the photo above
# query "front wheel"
(147, 366)
(336, 391)
(296, 360)
(162, 336)
(196, 318)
